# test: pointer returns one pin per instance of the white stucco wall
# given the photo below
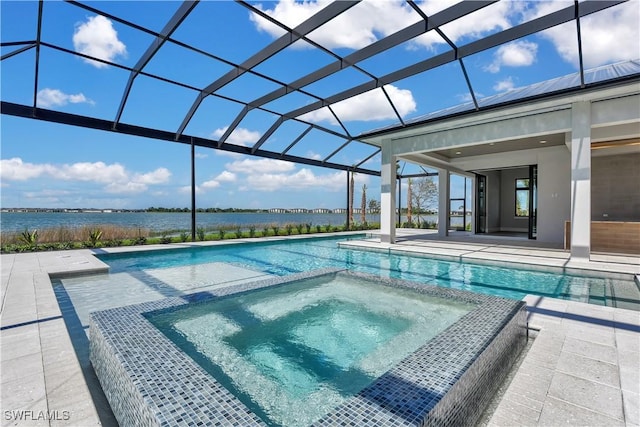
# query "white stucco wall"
(611, 114)
(554, 187)
(554, 193)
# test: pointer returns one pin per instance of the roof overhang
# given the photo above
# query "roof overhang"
(452, 143)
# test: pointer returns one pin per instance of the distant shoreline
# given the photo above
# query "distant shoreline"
(180, 210)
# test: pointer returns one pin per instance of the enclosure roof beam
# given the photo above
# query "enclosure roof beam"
(25, 111)
(531, 27)
(180, 15)
(323, 16)
(450, 14)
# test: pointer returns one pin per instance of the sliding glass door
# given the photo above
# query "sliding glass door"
(533, 201)
(481, 204)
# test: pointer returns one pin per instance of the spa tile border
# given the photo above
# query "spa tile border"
(149, 381)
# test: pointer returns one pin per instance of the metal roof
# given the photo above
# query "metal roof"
(598, 75)
(292, 80)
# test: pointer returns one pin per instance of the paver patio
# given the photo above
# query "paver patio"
(583, 367)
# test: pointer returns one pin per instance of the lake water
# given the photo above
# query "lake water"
(155, 221)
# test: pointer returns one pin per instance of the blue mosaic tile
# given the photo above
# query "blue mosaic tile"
(448, 381)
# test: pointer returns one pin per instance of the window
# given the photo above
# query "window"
(522, 197)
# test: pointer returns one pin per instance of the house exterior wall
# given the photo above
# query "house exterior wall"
(554, 188)
(554, 193)
(606, 114)
(615, 188)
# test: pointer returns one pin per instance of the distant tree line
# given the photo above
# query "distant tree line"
(206, 210)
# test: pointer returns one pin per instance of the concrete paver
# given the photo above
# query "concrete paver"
(557, 412)
(582, 368)
(601, 398)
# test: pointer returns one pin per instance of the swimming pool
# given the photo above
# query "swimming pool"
(225, 355)
(292, 353)
(145, 276)
(170, 272)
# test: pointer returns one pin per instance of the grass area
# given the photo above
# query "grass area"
(108, 235)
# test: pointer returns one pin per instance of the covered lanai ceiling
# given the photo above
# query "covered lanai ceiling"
(305, 82)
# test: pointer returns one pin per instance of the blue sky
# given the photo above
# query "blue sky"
(50, 165)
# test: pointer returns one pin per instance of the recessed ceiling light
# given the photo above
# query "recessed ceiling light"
(544, 141)
(458, 152)
(492, 143)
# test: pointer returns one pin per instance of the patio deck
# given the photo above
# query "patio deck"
(583, 368)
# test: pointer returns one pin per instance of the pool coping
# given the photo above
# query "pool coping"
(558, 265)
(136, 364)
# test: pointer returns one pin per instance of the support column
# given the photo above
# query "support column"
(444, 188)
(581, 181)
(193, 192)
(474, 202)
(388, 195)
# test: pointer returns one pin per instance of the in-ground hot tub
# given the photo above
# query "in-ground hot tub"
(320, 348)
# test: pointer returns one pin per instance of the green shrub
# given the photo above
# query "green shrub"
(265, 231)
(252, 231)
(200, 233)
(114, 242)
(276, 230)
(94, 237)
(318, 228)
(289, 229)
(184, 236)
(29, 238)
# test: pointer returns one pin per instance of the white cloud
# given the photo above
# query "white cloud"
(86, 171)
(504, 85)
(466, 97)
(239, 136)
(313, 155)
(210, 184)
(226, 176)
(369, 106)
(496, 17)
(372, 20)
(303, 179)
(97, 38)
(158, 176)
(53, 97)
(16, 170)
(126, 187)
(187, 189)
(356, 28)
(608, 36)
(201, 156)
(46, 193)
(260, 166)
(115, 177)
(517, 54)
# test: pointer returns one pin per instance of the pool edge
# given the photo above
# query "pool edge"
(122, 340)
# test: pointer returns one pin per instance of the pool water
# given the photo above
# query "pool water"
(293, 353)
(294, 256)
